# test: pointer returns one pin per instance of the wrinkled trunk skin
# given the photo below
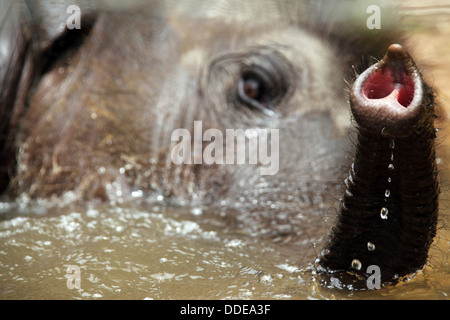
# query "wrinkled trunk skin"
(389, 210)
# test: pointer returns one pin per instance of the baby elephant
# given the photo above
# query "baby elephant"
(238, 106)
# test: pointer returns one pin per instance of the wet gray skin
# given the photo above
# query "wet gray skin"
(89, 114)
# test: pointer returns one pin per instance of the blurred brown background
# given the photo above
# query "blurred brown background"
(427, 25)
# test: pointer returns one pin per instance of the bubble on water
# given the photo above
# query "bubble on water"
(391, 167)
(387, 193)
(196, 211)
(356, 264)
(137, 194)
(288, 268)
(92, 213)
(370, 246)
(162, 276)
(266, 279)
(234, 243)
(101, 170)
(384, 213)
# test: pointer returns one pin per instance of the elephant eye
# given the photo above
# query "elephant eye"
(256, 90)
(253, 89)
(264, 81)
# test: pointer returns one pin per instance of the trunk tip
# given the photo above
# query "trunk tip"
(395, 52)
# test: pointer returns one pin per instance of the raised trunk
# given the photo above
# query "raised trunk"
(389, 210)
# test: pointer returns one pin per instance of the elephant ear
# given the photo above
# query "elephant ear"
(15, 41)
(28, 33)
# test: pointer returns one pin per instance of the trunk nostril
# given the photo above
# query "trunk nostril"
(406, 93)
(381, 85)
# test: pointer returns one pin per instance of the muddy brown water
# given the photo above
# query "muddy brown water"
(152, 251)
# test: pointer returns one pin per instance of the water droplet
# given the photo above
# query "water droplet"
(370, 246)
(392, 156)
(353, 169)
(391, 166)
(137, 194)
(356, 264)
(101, 170)
(389, 179)
(392, 144)
(197, 211)
(384, 213)
(387, 193)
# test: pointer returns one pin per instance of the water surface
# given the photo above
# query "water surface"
(151, 251)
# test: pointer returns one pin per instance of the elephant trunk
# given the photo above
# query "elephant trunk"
(389, 210)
